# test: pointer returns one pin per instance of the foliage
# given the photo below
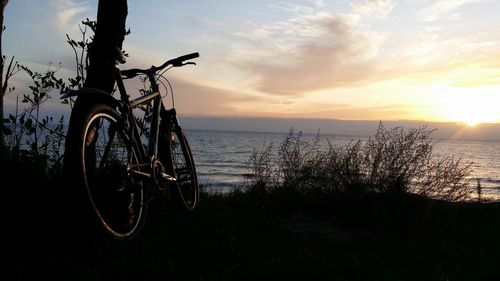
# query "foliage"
(12, 70)
(262, 166)
(36, 138)
(393, 161)
(33, 137)
(80, 50)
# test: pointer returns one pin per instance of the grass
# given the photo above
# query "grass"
(281, 235)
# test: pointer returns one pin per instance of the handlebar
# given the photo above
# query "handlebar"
(180, 60)
(177, 62)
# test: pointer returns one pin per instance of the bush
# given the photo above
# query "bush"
(31, 137)
(393, 161)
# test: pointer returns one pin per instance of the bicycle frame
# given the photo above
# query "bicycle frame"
(131, 104)
(155, 167)
(157, 109)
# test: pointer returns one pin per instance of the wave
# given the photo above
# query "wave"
(488, 182)
(219, 173)
(227, 164)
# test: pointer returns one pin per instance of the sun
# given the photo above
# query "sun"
(471, 109)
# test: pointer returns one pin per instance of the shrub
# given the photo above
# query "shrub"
(262, 168)
(393, 161)
(395, 157)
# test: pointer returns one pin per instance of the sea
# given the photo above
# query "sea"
(222, 158)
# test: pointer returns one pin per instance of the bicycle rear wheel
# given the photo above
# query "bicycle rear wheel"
(103, 153)
(186, 190)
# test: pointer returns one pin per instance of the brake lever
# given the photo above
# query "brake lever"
(180, 64)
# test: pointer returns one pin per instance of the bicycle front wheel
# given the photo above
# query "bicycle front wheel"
(186, 189)
(105, 155)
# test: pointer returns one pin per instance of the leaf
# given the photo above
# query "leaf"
(28, 98)
(29, 125)
(12, 119)
(6, 131)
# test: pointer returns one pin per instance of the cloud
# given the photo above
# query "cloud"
(352, 112)
(318, 3)
(66, 10)
(192, 98)
(376, 8)
(439, 57)
(444, 8)
(313, 52)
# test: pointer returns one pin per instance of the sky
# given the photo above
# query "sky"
(436, 61)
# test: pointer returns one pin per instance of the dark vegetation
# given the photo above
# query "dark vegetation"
(282, 235)
(393, 162)
(288, 225)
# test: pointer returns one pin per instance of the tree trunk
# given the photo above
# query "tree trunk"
(3, 148)
(109, 35)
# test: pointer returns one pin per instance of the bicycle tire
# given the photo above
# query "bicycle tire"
(186, 190)
(99, 153)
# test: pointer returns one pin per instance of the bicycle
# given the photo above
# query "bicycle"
(105, 155)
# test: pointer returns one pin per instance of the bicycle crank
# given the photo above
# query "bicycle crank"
(160, 178)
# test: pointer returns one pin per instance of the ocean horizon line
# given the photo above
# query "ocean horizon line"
(337, 127)
(333, 127)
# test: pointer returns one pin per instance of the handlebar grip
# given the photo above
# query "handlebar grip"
(180, 60)
(188, 57)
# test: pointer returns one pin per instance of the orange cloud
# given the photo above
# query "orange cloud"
(340, 54)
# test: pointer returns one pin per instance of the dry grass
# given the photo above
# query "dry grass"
(393, 161)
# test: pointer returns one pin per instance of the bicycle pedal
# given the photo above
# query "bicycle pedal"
(168, 177)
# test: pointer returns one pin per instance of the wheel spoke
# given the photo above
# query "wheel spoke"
(107, 148)
(184, 171)
(117, 198)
